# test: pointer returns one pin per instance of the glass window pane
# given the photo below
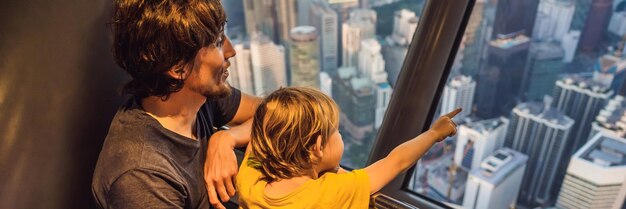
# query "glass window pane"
(541, 83)
(352, 50)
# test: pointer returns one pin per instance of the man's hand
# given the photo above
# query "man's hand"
(220, 168)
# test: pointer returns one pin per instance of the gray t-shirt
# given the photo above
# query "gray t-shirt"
(144, 165)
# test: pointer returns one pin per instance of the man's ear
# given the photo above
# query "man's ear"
(317, 150)
(179, 71)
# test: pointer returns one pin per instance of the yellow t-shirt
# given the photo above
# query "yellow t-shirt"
(331, 190)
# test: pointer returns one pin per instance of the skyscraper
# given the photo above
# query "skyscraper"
(261, 18)
(617, 25)
(498, 84)
(496, 183)
(596, 24)
(286, 18)
(241, 69)
(580, 98)
(383, 96)
(324, 19)
(611, 120)
(569, 43)
(595, 175)
(268, 65)
(479, 139)
(610, 70)
(474, 41)
(458, 92)
(304, 57)
(554, 19)
(326, 84)
(545, 63)
(540, 132)
(360, 26)
(404, 26)
(371, 63)
(515, 16)
(356, 97)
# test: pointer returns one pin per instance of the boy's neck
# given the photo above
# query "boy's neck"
(283, 187)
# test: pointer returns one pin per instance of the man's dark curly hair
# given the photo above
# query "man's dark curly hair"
(152, 36)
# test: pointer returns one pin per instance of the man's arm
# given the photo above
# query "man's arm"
(220, 166)
(246, 109)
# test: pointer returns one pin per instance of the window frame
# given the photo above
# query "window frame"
(419, 87)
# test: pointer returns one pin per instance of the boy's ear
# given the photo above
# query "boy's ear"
(317, 149)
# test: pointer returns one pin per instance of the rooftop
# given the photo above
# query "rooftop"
(607, 151)
(499, 165)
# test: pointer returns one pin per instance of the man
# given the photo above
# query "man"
(163, 143)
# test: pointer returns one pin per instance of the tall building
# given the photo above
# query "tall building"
(545, 63)
(323, 18)
(596, 24)
(268, 65)
(404, 26)
(286, 18)
(304, 57)
(241, 69)
(326, 84)
(554, 19)
(261, 18)
(569, 43)
(361, 25)
(496, 183)
(394, 58)
(515, 16)
(357, 100)
(580, 98)
(474, 41)
(610, 70)
(458, 92)
(580, 14)
(611, 120)
(371, 62)
(540, 132)
(498, 84)
(479, 139)
(383, 96)
(617, 25)
(595, 175)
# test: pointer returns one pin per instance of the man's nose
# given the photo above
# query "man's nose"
(229, 50)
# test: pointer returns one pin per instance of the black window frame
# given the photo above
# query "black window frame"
(419, 87)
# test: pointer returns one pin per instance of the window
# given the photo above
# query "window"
(351, 50)
(543, 82)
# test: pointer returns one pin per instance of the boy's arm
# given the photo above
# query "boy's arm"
(403, 156)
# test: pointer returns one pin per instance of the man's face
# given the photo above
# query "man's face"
(210, 71)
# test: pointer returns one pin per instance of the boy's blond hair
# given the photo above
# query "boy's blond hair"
(285, 129)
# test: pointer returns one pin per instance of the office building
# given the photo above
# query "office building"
(286, 19)
(304, 57)
(268, 65)
(241, 69)
(261, 18)
(371, 62)
(545, 63)
(361, 25)
(326, 84)
(404, 26)
(540, 132)
(458, 92)
(554, 19)
(596, 24)
(357, 100)
(569, 43)
(324, 19)
(496, 183)
(611, 120)
(515, 16)
(596, 175)
(383, 96)
(478, 139)
(617, 25)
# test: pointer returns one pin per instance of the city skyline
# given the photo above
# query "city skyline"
(512, 68)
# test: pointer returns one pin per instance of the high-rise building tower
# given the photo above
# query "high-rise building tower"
(496, 183)
(357, 100)
(611, 120)
(474, 41)
(326, 84)
(261, 18)
(324, 19)
(371, 63)
(383, 96)
(268, 65)
(545, 63)
(241, 69)
(617, 25)
(404, 26)
(498, 84)
(459, 92)
(515, 16)
(540, 132)
(596, 24)
(479, 139)
(286, 19)
(360, 26)
(554, 19)
(580, 98)
(304, 57)
(569, 43)
(596, 175)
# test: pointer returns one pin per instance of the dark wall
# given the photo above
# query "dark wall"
(58, 93)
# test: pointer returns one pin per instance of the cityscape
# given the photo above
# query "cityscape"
(541, 83)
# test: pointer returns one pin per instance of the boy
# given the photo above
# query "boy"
(295, 143)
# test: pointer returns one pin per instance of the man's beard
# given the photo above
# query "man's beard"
(222, 91)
